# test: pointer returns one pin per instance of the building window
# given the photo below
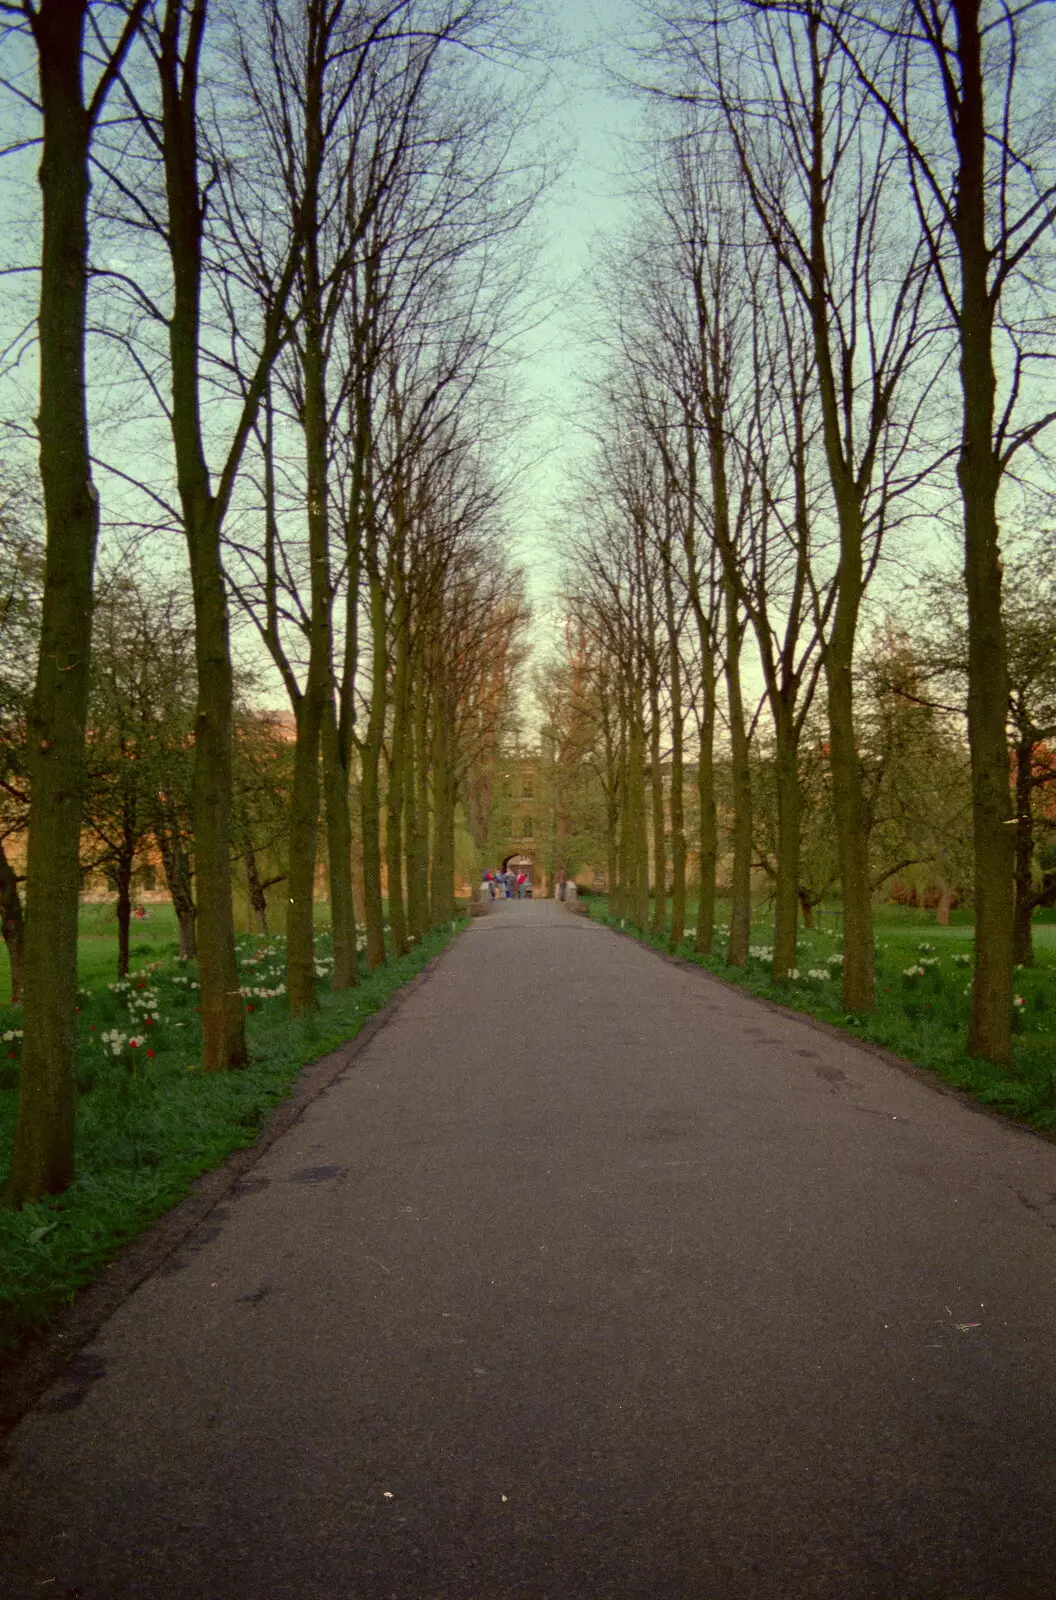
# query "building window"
(526, 789)
(529, 831)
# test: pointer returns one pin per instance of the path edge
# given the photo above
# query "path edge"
(831, 1030)
(34, 1366)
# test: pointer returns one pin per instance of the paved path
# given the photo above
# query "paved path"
(590, 1280)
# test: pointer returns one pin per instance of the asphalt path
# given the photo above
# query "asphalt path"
(591, 1279)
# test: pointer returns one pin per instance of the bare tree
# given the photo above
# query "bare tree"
(42, 1160)
(758, 387)
(964, 86)
(820, 171)
(142, 714)
(21, 584)
(336, 95)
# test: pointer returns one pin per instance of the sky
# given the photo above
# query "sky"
(587, 204)
(585, 119)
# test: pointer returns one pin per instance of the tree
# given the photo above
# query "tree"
(263, 773)
(820, 171)
(787, 602)
(604, 594)
(21, 582)
(1028, 602)
(398, 306)
(915, 770)
(141, 721)
(316, 115)
(472, 649)
(205, 501)
(963, 86)
(574, 760)
(720, 333)
(196, 192)
(1029, 607)
(42, 1160)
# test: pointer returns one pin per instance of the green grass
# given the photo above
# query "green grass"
(148, 1120)
(923, 976)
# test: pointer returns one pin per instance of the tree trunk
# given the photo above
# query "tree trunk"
(339, 726)
(187, 923)
(42, 1160)
(370, 778)
(852, 831)
(715, 380)
(418, 814)
(642, 841)
(741, 776)
(978, 472)
(13, 923)
(177, 867)
(123, 874)
(703, 613)
(612, 861)
(709, 831)
(942, 909)
(852, 837)
(678, 818)
(611, 786)
(303, 835)
(562, 831)
(339, 853)
(258, 895)
(442, 889)
(223, 1028)
(786, 891)
(806, 905)
(394, 816)
(412, 848)
(223, 1034)
(1023, 940)
(318, 687)
(394, 819)
(370, 822)
(619, 898)
(849, 488)
(638, 860)
(651, 663)
(659, 917)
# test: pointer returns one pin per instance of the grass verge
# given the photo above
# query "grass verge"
(149, 1121)
(923, 975)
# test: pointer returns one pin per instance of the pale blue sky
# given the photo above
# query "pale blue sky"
(586, 204)
(586, 117)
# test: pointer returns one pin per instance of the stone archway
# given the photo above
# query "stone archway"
(517, 862)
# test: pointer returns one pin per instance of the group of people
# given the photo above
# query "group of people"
(508, 885)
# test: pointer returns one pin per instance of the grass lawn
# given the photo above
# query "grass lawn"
(149, 1121)
(923, 979)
